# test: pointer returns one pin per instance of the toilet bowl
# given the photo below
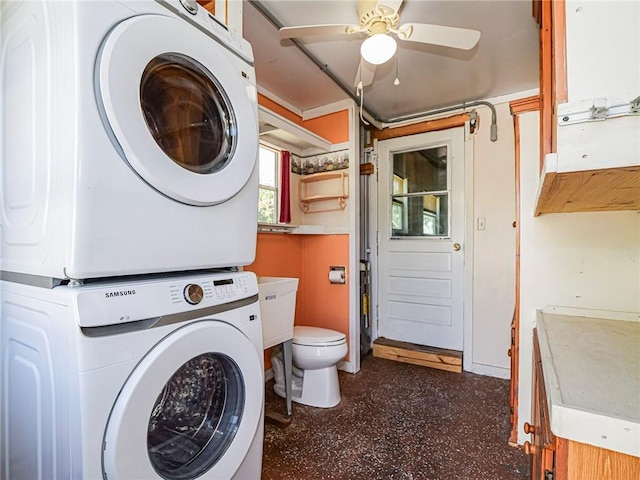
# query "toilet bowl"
(316, 353)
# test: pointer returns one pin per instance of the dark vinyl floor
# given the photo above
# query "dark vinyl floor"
(398, 421)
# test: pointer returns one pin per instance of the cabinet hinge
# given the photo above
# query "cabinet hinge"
(548, 475)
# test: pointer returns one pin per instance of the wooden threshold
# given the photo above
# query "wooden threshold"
(442, 359)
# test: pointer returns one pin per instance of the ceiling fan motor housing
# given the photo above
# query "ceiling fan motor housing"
(376, 18)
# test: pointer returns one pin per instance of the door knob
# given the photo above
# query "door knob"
(456, 246)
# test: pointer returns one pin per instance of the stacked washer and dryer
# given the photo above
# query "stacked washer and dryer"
(131, 342)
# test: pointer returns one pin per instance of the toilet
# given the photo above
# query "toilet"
(316, 353)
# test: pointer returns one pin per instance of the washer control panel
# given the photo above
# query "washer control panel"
(210, 291)
(114, 303)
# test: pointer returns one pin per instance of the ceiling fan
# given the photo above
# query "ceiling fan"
(379, 19)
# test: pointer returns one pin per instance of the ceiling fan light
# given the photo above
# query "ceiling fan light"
(378, 48)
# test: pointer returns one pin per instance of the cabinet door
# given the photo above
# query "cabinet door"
(543, 445)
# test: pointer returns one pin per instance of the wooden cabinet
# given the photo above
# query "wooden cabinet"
(555, 458)
(542, 446)
(333, 191)
(590, 100)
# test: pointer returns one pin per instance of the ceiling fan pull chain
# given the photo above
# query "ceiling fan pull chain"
(396, 82)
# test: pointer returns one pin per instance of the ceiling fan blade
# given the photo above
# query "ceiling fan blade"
(366, 72)
(454, 37)
(311, 30)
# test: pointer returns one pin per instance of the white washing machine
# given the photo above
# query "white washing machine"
(129, 136)
(149, 379)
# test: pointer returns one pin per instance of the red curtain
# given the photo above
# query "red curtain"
(285, 187)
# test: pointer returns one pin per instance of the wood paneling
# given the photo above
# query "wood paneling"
(590, 191)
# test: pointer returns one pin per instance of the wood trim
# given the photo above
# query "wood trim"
(524, 105)
(442, 359)
(367, 168)
(515, 347)
(546, 81)
(561, 470)
(422, 127)
(560, 50)
(535, 11)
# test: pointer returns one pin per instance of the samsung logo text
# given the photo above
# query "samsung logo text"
(119, 293)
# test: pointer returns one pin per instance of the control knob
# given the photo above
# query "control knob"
(193, 293)
(190, 6)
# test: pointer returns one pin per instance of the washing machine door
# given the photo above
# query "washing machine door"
(190, 409)
(179, 107)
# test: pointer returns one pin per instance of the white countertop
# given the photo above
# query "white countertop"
(591, 370)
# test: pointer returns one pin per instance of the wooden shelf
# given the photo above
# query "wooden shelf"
(319, 177)
(341, 191)
(587, 164)
(319, 198)
(604, 189)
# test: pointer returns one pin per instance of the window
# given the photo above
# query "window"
(268, 189)
(420, 193)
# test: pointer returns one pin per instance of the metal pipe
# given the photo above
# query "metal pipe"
(322, 66)
(494, 125)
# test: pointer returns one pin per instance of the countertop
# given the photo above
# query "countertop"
(591, 365)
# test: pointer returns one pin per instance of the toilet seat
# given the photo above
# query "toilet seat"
(317, 337)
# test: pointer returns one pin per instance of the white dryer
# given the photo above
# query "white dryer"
(149, 379)
(129, 137)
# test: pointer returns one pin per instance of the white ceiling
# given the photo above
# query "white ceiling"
(505, 60)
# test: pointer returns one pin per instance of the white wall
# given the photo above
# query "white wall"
(494, 247)
(584, 260)
(603, 47)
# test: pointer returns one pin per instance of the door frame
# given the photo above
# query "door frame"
(467, 357)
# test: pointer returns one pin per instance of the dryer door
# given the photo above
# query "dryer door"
(190, 408)
(180, 108)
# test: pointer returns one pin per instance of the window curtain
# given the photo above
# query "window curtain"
(285, 187)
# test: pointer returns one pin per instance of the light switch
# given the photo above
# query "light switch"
(482, 223)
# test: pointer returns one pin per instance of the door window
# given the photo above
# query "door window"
(195, 417)
(420, 193)
(188, 113)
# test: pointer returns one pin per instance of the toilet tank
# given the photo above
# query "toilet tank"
(277, 308)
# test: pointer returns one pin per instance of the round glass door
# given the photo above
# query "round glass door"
(196, 416)
(190, 408)
(188, 113)
(181, 110)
